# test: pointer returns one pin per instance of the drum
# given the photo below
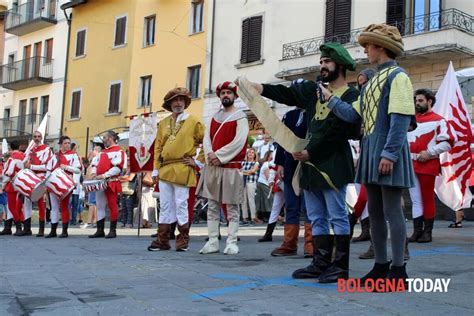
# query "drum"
(29, 184)
(60, 183)
(94, 185)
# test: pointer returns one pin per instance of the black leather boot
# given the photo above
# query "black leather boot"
(269, 233)
(7, 229)
(64, 233)
(18, 231)
(26, 228)
(339, 269)
(41, 229)
(365, 234)
(426, 237)
(379, 271)
(100, 229)
(417, 229)
(52, 233)
(323, 247)
(396, 274)
(113, 230)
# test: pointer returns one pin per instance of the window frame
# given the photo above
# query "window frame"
(80, 104)
(114, 45)
(145, 30)
(189, 79)
(140, 95)
(192, 18)
(83, 29)
(111, 83)
(42, 98)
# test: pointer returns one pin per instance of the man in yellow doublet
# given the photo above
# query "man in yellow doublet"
(177, 138)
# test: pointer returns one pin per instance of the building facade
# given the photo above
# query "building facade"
(123, 58)
(270, 46)
(32, 71)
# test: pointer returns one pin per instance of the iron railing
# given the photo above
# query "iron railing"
(23, 125)
(31, 11)
(32, 68)
(446, 19)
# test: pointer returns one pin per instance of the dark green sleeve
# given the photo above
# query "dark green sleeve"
(301, 95)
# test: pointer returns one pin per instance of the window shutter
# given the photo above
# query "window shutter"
(114, 98)
(49, 50)
(245, 41)
(120, 31)
(396, 14)
(338, 21)
(81, 36)
(76, 101)
(255, 38)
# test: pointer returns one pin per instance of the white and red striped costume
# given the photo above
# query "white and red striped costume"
(433, 135)
(39, 158)
(73, 165)
(11, 168)
(110, 163)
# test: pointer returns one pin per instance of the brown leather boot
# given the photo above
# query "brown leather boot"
(182, 240)
(308, 240)
(163, 240)
(289, 246)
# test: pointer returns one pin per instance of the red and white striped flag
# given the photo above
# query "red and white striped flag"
(452, 186)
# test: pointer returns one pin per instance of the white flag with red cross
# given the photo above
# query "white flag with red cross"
(452, 186)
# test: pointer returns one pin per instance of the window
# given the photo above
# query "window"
(48, 50)
(22, 117)
(251, 39)
(44, 105)
(33, 110)
(194, 74)
(81, 43)
(197, 16)
(120, 31)
(145, 91)
(396, 14)
(75, 104)
(114, 97)
(338, 21)
(149, 31)
(426, 16)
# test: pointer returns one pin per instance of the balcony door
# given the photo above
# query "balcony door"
(37, 59)
(22, 117)
(26, 61)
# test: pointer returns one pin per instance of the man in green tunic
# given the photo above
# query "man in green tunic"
(327, 165)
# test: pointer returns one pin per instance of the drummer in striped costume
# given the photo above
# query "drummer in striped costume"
(12, 167)
(107, 167)
(70, 163)
(38, 159)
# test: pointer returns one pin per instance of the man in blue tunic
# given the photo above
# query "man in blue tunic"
(385, 107)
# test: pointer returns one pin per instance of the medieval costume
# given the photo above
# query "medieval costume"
(70, 162)
(226, 137)
(384, 107)
(176, 139)
(324, 179)
(13, 165)
(39, 158)
(432, 134)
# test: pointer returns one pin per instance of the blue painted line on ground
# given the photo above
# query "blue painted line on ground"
(451, 250)
(256, 282)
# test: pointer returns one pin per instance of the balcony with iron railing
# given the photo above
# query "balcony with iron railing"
(31, 16)
(423, 24)
(19, 126)
(27, 73)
